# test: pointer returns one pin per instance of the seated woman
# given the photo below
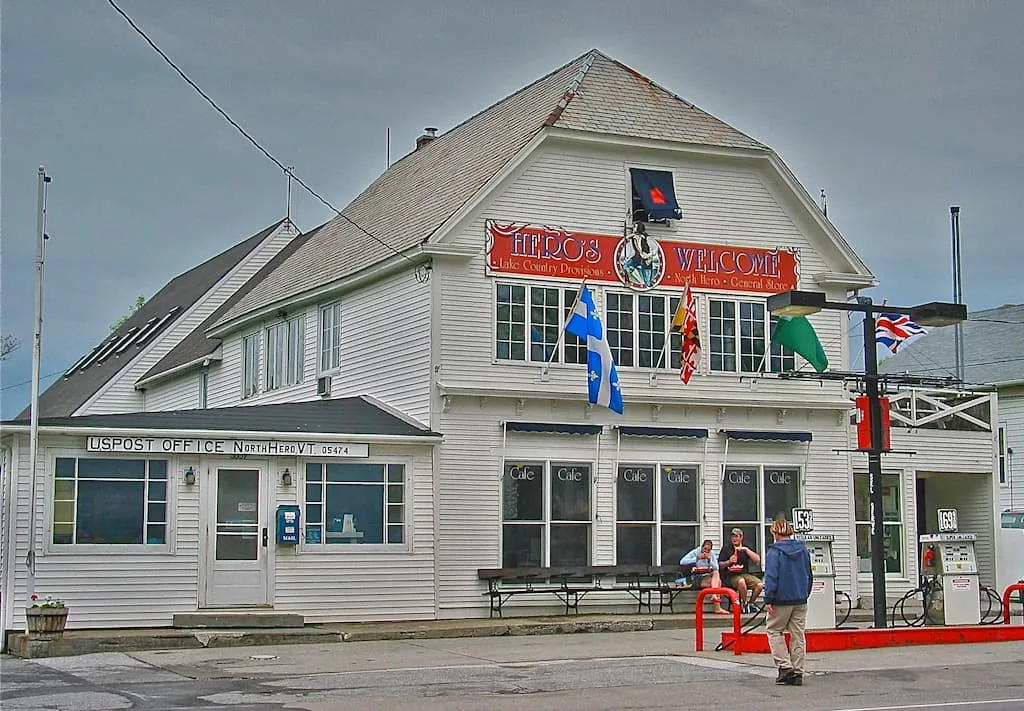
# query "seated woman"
(704, 572)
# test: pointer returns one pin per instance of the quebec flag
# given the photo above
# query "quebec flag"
(602, 378)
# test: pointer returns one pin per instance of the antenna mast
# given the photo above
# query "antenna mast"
(824, 203)
(958, 295)
(288, 198)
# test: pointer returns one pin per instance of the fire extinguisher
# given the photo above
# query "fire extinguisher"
(929, 557)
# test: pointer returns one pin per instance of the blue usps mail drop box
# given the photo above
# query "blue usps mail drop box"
(287, 525)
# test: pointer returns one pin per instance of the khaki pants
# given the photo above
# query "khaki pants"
(792, 619)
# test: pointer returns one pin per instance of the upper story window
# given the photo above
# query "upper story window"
(250, 365)
(653, 196)
(528, 322)
(739, 333)
(109, 501)
(285, 353)
(330, 337)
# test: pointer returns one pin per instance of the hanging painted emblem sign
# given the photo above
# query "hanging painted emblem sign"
(636, 260)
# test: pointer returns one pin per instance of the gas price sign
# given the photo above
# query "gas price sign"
(947, 521)
(803, 520)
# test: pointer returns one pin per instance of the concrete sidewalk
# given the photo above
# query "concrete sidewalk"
(75, 642)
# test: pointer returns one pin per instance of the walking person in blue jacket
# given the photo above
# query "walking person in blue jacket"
(787, 585)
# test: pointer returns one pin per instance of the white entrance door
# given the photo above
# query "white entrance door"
(237, 538)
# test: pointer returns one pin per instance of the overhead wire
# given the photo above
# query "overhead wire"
(256, 144)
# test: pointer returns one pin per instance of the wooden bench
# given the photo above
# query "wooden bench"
(571, 584)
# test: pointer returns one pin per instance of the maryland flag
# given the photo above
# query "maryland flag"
(684, 322)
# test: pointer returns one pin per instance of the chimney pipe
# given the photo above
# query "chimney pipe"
(429, 134)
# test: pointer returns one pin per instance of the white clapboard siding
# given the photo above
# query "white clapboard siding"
(724, 203)
(342, 583)
(119, 394)
(182, 393)
(385, 344)
(129, 590)
(7, 458)
(957, 467)
(1011, 418)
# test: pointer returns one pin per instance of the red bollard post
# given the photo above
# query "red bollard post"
(736, 616)
(1006, 600)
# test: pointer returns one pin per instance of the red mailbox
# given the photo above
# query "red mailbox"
(864, 423)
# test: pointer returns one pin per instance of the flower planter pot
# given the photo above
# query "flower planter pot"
(46, 622)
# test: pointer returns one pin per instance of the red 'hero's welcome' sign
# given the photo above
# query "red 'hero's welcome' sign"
(638, 261)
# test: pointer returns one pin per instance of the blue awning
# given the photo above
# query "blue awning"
(662, 431)
(657, 193)
(767, 436)
(555, 427)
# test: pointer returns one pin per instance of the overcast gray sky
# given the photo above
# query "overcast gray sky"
(898, 109)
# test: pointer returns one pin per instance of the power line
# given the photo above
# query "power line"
(256, 144)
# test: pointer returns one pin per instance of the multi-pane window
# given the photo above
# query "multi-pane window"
(330, 337)
(753, 497)
(618, 322)
(892, 522)
(354, 503)
(656, 518)
(739, 332)
(546, 514)
(250, 365)
(532, 334)
(107, 501)
(285, 353)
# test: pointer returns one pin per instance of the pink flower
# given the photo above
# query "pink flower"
(34, 596)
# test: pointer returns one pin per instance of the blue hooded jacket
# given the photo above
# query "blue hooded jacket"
(787, 573)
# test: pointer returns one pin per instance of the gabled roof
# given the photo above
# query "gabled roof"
(121, 347)
(196, 345)
(342, 416)
(993, 342)
(416, 195)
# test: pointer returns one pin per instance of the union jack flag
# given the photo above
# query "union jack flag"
(892, 329)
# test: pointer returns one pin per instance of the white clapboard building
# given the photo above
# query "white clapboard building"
(398, 379)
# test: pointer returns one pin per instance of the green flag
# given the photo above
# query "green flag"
(797, 334)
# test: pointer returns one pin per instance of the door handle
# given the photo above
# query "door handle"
(264, 536)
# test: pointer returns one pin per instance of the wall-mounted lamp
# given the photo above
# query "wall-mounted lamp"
(286, 477)
(190, 476)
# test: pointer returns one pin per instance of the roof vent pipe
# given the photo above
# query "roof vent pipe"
(429, 134)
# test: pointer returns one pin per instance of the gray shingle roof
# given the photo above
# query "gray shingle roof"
(993, 349)
(197, 345)
(406, 204)
(352, 415)
(69, 393)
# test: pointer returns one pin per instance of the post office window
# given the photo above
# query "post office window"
(353, 503)
(109, 501)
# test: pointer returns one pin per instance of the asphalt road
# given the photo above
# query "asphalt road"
(592, 672)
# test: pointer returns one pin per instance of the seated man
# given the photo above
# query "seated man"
(704, 571)
(734, 561)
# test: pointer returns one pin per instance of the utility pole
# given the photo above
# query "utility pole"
(37, 338)
(874, 464)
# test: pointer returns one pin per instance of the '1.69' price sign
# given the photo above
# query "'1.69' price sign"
(947, 521)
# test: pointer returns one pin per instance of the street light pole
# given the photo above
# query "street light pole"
(874, 464)
(803, 303)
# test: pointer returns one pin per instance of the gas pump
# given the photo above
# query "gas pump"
(821, 605)
(949, 564)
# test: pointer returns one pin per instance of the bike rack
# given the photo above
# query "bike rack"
(736, 615)
(1006, 600)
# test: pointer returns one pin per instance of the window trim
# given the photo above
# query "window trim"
(905, 550)
(253, 337)
(408, 530)
(96, 549)
(546, 520)
(765, 523)
(697, 524)
(563, 342)
(769, 363)
(293, 352)
(334, 357)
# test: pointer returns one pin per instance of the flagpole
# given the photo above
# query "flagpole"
(561, 332)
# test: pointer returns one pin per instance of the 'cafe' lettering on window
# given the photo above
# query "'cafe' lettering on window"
(547, 252)
(228, 447)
